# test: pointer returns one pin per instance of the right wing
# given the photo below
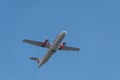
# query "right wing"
(36, 43)
(67, 48)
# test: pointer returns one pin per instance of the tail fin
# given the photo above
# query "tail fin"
(36, 59)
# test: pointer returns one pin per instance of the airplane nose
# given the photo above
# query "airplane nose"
(64, 32)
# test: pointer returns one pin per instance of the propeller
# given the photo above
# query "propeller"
(47, 40)
(64, 43)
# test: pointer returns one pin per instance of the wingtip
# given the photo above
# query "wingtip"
(79, 49)
(23, 40)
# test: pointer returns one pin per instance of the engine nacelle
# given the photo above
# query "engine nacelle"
(62, 45)
(45, 42)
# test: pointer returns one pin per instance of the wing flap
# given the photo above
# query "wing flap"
(36, 43)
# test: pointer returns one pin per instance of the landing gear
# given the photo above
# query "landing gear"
(53, 51)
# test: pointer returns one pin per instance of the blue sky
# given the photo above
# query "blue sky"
(92, 25)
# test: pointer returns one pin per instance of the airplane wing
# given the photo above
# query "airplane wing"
(36, 43)
(67, 48)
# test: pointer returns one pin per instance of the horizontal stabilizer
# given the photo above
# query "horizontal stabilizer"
(36, 59)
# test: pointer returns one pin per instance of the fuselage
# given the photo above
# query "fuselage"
(53, 48)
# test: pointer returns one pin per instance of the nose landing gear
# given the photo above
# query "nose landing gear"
(53, 51)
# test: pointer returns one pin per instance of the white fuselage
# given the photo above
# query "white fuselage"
(53, 48)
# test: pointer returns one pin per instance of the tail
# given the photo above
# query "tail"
(36, 59)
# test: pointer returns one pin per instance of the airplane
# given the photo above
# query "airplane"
(52, 48)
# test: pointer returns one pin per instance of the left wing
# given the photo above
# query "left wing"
(36, 43)
(67, 48)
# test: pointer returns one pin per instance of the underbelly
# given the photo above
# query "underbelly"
(48, 55)
(52, 49)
